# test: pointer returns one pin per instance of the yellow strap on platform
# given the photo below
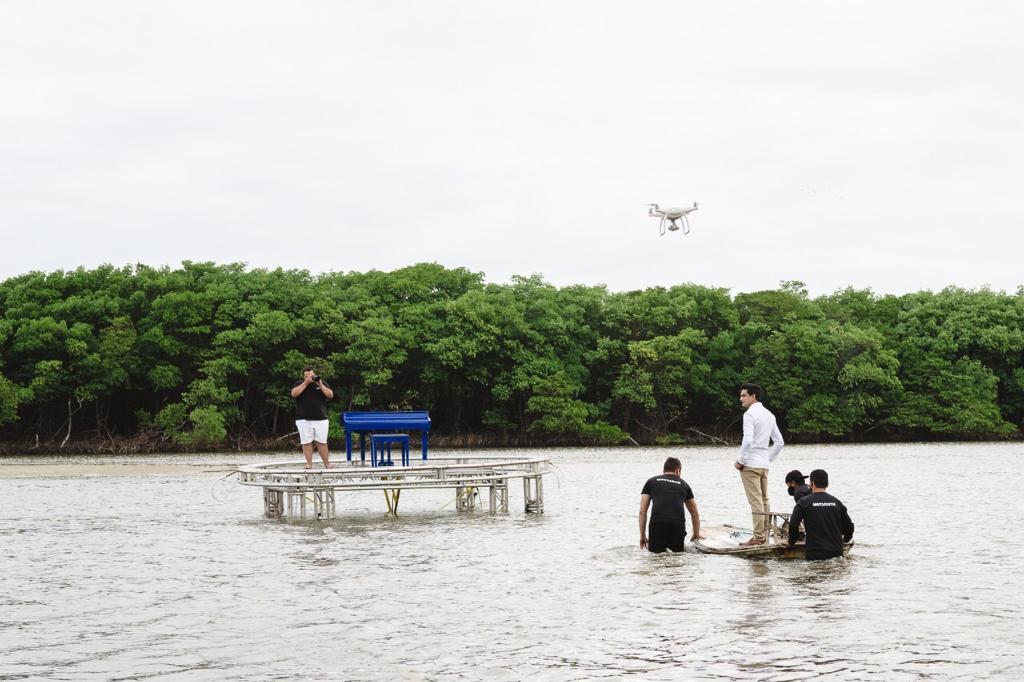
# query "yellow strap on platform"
(468, 490)
(391, 497)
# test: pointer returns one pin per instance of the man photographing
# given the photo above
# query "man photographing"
(311, 394)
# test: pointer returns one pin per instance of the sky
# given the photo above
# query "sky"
(871, 145)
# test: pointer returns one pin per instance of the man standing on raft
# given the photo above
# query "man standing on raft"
(755, 455)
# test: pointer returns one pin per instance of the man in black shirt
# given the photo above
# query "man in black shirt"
(826, 521)
(668, 494)
(311, 395)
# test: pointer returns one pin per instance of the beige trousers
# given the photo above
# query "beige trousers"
(755, 485)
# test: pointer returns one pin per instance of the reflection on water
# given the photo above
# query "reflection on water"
(137, 576)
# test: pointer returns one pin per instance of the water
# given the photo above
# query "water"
(176, 575)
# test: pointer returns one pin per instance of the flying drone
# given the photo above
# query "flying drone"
(675, 217)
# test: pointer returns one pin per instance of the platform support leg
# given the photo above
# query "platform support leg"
(323, 504)
(297, 504)
(533, 494)
(273, 503)
(465, 498)
(499, 496)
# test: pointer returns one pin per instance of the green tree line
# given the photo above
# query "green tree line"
(203, 356)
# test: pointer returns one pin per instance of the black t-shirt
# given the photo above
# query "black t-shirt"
(826, 523)
(668, 495)
(311, 403)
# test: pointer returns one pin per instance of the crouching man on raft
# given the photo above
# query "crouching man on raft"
(827, 524)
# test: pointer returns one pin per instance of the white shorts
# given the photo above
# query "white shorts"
(310, 431)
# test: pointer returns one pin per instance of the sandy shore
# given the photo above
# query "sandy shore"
(59, 470)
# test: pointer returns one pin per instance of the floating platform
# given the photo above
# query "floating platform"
(290, 490)
(727, 540)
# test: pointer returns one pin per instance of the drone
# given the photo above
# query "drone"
(675, 217)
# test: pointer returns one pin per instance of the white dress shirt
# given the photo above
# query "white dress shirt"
(758, 426)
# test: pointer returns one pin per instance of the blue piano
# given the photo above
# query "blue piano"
(382, 422)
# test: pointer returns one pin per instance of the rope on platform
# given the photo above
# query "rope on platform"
(468, 490)
(558, 478)
(213, 490)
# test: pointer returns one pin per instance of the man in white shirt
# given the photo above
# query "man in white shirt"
(755, 455)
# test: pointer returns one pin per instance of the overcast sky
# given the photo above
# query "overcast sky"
(842, 144)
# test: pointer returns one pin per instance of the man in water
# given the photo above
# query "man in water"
(311, 394)
(755, 454)
(669, 494)
(796, 486)
(826, 522)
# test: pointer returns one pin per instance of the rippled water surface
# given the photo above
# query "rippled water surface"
(178, 575)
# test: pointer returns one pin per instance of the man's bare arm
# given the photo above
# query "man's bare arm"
(326, 390)
(645, 502)
(297, 391)
(691, 506)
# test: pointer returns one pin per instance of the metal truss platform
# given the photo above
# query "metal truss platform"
(289, 490)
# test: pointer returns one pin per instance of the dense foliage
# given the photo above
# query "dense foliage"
(205, 354)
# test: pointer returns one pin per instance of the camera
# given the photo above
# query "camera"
(315, 379)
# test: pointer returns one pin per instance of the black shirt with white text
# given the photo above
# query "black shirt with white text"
(668, 495)
(827, 525)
